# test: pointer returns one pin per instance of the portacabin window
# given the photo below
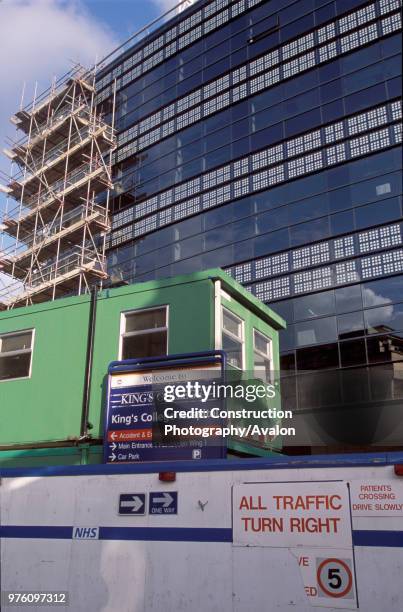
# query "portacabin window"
(16, 354)
(233, 338)
(144, 333)
(262, 355)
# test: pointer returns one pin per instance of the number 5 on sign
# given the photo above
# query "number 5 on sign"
(328, 576)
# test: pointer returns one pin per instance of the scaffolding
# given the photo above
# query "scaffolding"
(57, 231)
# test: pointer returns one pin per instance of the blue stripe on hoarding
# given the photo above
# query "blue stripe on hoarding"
(392, 539)
(156, 534)
(36, 531)
(167, 534)
(212, 465)
(368, 537)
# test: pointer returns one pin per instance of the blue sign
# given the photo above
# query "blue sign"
(132, 503)
(163, 502)
(134, 423)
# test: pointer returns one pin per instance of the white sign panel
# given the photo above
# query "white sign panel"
(376, 498)
(288, 514)
(165, 376)
(328, 576)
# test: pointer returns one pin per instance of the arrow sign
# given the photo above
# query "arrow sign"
(112, 457)
(166, 500)
(113, 446)
(163, 502)
(132, 503)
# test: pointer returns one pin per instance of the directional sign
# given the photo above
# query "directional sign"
(135, 404)
(132, 504)
(163, 503)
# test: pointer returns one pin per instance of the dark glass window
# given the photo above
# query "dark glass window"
(342, 223)
(387, 318)
(145, 333)
(352, 352)
(284, 309)
(350, 325)
(383, 291)
(309, 232)
(348, 298)
(287, 362)
(276, 241)
(16, 355)
(378, 212)
(286, 337)
(318, 357)
(316, 331)
(385, 348)
(315, 305)
(309, 209)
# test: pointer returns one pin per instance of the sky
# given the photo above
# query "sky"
(42, 39)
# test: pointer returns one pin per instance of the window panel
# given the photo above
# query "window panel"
(262, 356)
(316, 331)
(144, 333)
(313, 306)
(385, 318)
(267, 77)
(350, 325)
(317, 358)
(385, 291)
(353, 353)
(232, 337)
(16, 355)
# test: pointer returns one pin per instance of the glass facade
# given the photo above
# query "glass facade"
(265, 138)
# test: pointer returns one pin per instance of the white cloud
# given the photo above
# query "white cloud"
(166, 5)
(40, 39)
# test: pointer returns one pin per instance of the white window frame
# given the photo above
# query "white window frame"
(123, 334)
(265, 356)
(19, 351)
(241, 340)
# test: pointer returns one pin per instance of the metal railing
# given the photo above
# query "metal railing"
(75, 259)
(60, 186)
(48, 231)
(79, 109)
(54, 153)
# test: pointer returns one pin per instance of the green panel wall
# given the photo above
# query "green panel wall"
(251, 322)
(47, 406)
(190, 327)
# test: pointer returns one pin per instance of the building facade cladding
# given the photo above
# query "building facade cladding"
(265, 137)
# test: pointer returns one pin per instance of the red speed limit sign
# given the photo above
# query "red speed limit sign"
(335, 577)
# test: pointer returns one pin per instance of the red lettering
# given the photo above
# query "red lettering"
(303, 561)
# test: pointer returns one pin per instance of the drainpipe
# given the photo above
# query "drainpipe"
(217, 315)
(88, 364)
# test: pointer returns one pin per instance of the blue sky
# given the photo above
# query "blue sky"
(124, 16)
(42, 39)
